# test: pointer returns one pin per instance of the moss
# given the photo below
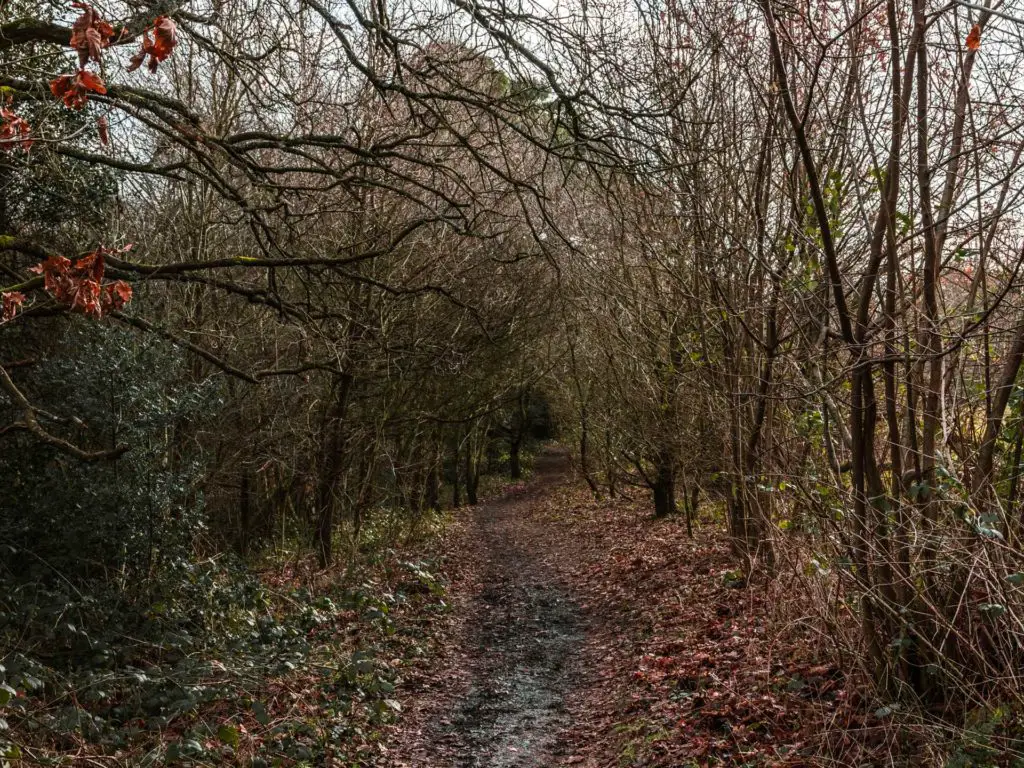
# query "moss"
(34, 282)
(23, 23)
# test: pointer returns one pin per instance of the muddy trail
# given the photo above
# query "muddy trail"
(585, 633)
(520, 646)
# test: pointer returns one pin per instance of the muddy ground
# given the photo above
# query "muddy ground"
(501, 701)
(584, 633)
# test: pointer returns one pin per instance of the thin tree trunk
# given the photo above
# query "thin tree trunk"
(472, 472)
(332, 461)
(515, 468)
(664, 487)
(456, 489)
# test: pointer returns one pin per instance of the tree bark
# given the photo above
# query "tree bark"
(332, 461)
(664, 488)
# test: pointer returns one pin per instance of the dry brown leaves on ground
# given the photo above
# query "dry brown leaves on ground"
(684, 663)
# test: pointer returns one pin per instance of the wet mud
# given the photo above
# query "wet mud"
(524, 645)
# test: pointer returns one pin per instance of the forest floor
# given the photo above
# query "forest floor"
(584, 633)
(515, 646)
(540, 629)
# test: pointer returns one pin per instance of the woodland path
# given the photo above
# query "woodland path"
(501, 701)
(584, 633)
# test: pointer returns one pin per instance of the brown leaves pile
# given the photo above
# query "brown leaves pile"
(90, 34)
(79, 285)
(159, 47)
(974, 38)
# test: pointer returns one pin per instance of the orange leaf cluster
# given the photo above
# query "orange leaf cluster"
(974, 38)
(90, 34)
(74, 89)
(79, 284)
(12, 301)
(159, 46)
(14, 131)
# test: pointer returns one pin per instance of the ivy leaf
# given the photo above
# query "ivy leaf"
(229, 735)
(259, 711)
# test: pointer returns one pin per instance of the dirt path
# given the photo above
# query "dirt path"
(583, 633)
(501, 701)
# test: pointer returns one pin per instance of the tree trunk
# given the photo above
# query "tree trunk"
(245, 510)
(664, 488)
(331, 465)
(687, 506)
(737, 520)
(691, 507)
(432, 493)
(472, 473)
(1012, 520)
(456, 489)
(585, 455)
(515, 468)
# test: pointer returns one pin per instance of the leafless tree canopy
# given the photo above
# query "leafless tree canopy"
(758, 256)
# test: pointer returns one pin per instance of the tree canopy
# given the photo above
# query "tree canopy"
(283, 280)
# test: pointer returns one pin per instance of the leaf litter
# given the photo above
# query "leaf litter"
(585, 633)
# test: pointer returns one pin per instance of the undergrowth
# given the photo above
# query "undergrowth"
(213, 663)
(122, 644)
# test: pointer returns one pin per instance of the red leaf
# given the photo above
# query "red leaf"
(159, 46)
(165, 37)
(80, 285)
(974, 38)
(12, 301)
(94, 43)
(104, 130)
(92, 264)
(116, 295)
(85, 298)
(91, 81)
(54, 270)
(138, 58)
(61, 87)
(74, 90)
(15, 131)
(90, 34)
